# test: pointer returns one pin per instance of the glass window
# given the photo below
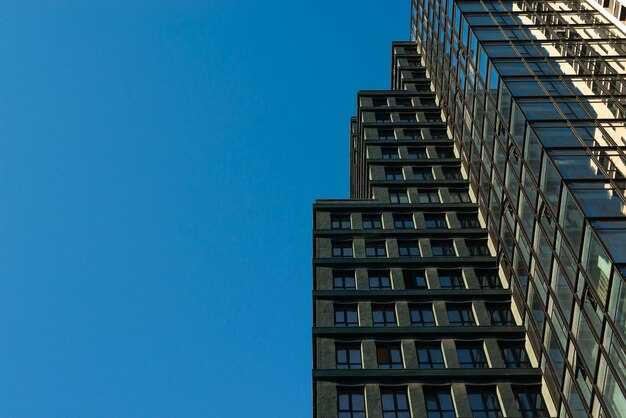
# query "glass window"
(484, 402)
(350, 403)
(530, 402)
(417, 153)
(500, 314)
(451, 279)
(435, 220)
(451, 173)
(597, 264)
(384, 315)
(398, 196)
(460, 314)
(514, 354)
(342, 248)
(393, 174)
(389, 356)
(379, 279)
(488, 279)
(403, 221)
(390, 153)
(414, 279)
(429, 355)
(439, 400)
(348, 356)
(344, 280)
(340, 221)
(382, 117)
(477, 247)
(372, 222)
(375, 249)
(471, 355)
(459, 196)
(442, 248)
(422, 173)
(597, 200)
(422, 315)
(428, 195)
(408, 248)
(346, 315)
(468, 220)
(386, 134)
(395, 403)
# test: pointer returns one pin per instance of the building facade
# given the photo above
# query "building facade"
(477, 269)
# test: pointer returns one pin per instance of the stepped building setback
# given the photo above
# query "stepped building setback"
(478, 268)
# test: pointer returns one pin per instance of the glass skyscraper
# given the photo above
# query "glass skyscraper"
(478, 268)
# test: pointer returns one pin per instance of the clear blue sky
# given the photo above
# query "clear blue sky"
(158, 162)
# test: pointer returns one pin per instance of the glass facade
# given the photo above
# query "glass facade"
(533, 94)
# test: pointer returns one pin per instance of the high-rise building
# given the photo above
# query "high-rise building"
(477, 269)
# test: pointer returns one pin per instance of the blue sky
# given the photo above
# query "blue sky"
(158, 162)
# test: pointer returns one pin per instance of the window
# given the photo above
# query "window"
(395, 403)
(452, 173)
(394, 174)
(379, 101)
(417, 153)
(379, 280)
(414, 279)
(346, 316)
(386, 135)
(372, 222)
(348, 356)
(412, 134)
(451, 279)
(422, 315)
(342, 248)
(442, 248)
(428, 195)
(407, 117)
(382, 117)
(409, 248)
(439, 403)
(468, 220)
(430, 356)
(488, 279)
(350, 403)
(432, 116)
(398, 196)
(344, 280)
(384, 315)
(375, 249)
(390, 153)
(460, 314)
(340, 221)
(422, 173)
(459, 196)
(471, 355)
(514, 354)
(477, 247)
(445, 152)
(530, 402)
(405, 102)
(484, 402)
(438, 133)
(403, 221)
(389, 356)
(435, 220)
(500, 314)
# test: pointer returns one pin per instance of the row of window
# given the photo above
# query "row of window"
(483, 402)
(429, 195)
(404, 117)
(417, 153)
(407, 134)
(416, 279)
(422, 173)
(411, 248)
(402, 101)
(404, 221)
(422, 314)
(430, 355)
(381, 279)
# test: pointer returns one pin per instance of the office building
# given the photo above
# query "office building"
(477, 269)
